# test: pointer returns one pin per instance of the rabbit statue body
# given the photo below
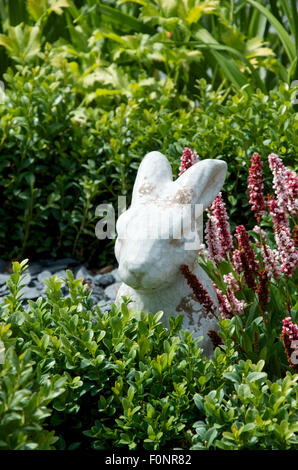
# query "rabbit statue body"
(154, 238)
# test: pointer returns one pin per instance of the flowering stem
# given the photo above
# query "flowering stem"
(288, 295)
(263, 242)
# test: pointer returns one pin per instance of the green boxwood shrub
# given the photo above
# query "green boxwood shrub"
(60, 157)
(258, 415)
(25, 395)
(121, 380)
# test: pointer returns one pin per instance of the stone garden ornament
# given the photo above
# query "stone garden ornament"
(159, 232)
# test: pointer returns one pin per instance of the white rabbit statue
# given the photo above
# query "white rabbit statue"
(149, 266)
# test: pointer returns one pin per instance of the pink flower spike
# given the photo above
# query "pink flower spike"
(228, 304)
(237, 306)
(285, 183)
(189, 157)
(278, 170)
(272, 261)
(277, 211)
(221, 219)
(244, 244)
(231, 282)
(212, 239)
(271, 258)
(255, 186)
(289, 337)
(290, 328)
(223, 304)
(287, 250)
(236, 260)
(198, 289)
(292, 190)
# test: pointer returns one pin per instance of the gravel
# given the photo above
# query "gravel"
(44, 275)
(103, 287)
(104, 280)
(111, 290)
(3, 279)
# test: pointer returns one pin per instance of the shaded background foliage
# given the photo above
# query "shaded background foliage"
(237, 42)
(92, 86)
(59, 159)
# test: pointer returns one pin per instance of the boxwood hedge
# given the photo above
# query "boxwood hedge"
(77, 378)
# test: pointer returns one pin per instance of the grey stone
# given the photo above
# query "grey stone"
(34, 269)
(4, 278)
(44, 275)
(115, 275)
(27, 278)
(30, 293)
(83, 273)
(39, 285)
(104, 280)
(61, 264)
(112, 290)
(98, 291)
(4, 290)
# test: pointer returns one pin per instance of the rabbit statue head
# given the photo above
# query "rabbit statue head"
(159, 232)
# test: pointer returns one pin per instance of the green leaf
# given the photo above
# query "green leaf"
(88, 335)
(144, 346)
(100, 336)
(253, 312)
(199, 402)
(244, 391)
(233, 377)
(225, 267)
(158, 316)
(282, 33)
(210, 437)
(263, 353)
(57, 6)
(116, 16)
(256, 376)
(247, 428)
(228, 65)
(36, 8)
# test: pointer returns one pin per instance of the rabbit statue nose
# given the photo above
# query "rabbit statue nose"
(137, 277)
(132, 273)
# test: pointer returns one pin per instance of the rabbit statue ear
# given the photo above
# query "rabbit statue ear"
(153, 174)
(204, 179)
